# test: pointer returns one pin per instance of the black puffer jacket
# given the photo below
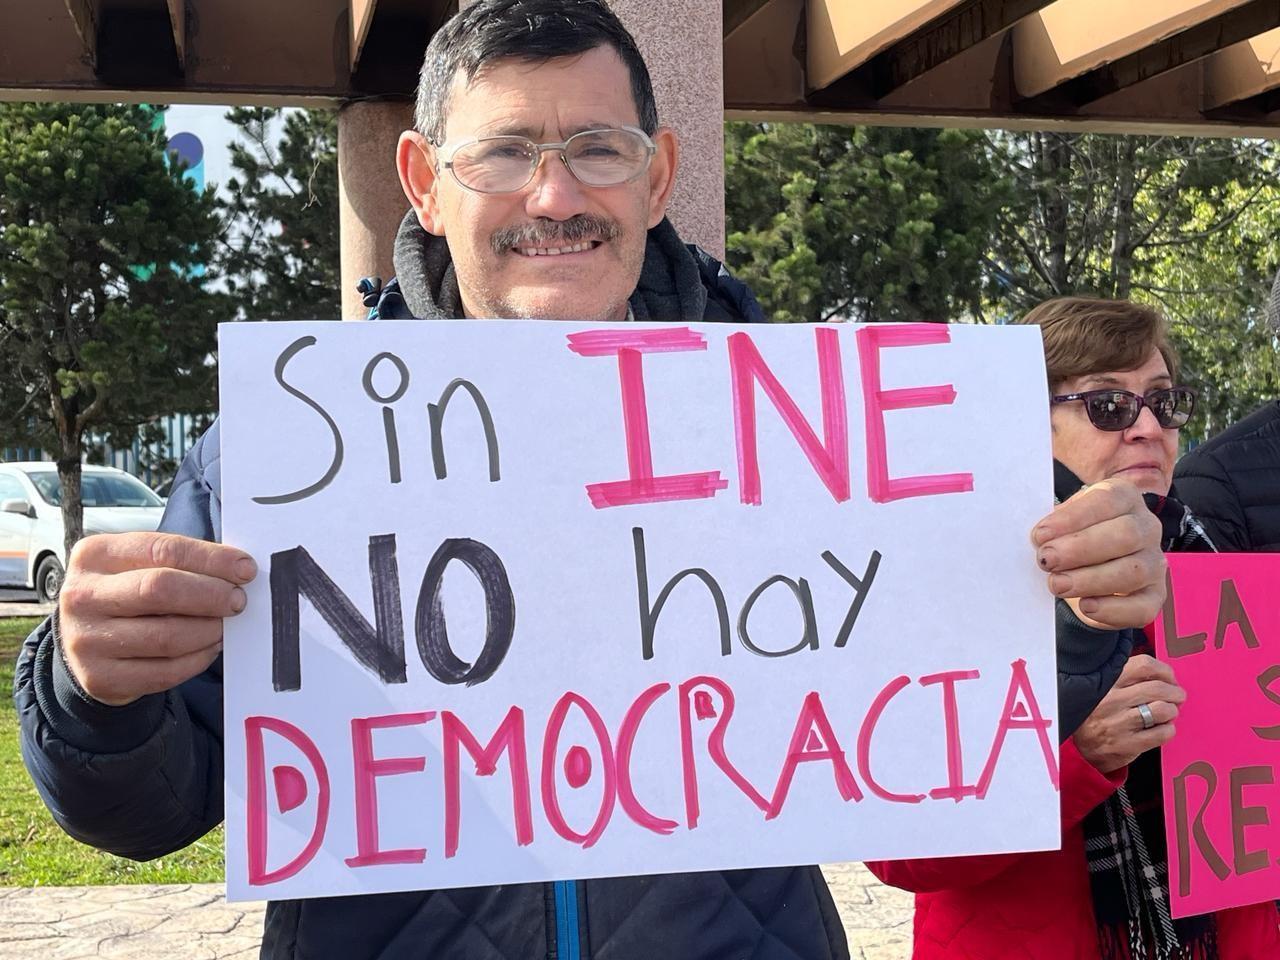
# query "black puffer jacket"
(1232, 483)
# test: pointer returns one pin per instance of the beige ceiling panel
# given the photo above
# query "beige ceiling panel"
(1071, 37)
(361, 20)
(844, 34)
(1242, 70)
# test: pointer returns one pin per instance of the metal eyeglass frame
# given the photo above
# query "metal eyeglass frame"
(650, 147)
(1143, 401)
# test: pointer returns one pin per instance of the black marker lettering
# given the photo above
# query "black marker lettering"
(336, 464)
(649, 615)
(861, 587)
(500, 605)
(380, 648)
(804, 596)
(436, 412)
(388, 415)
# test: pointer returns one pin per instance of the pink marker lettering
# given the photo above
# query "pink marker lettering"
(550, 745)
(626, 741)
(813, 739)
(689, 696)
(508, 739)
(367, 770)
(956, 789)
(1020, 713)
(868, 731)
(830, 459)
(871, 340)
(256, 812)
(642, 486)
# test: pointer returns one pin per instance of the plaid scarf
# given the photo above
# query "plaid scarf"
(1125, 838)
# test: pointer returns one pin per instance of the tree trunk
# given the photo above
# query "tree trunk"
(1122, 214)
(69, 477)
(1056, 172)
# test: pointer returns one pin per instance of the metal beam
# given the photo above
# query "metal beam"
(961, 28)
(1243, 70)
(763, 58)
(844, 35)
(178, 19)
(361, 21)
(395, 35)
(84, 14)
(737, 12)
(1076, 51)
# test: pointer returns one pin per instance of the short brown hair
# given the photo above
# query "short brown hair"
(1084, 335)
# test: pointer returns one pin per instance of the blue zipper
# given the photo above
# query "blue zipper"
(567, 942)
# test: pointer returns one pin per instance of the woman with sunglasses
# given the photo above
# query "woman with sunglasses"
(1115, 410)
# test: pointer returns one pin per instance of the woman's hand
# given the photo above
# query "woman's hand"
(1114, 735)
(1101, 550)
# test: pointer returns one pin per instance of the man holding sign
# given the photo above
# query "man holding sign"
(538, 177)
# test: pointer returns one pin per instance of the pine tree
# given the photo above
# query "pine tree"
(282, 246)
(103, 323)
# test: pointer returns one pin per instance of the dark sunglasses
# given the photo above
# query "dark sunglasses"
(1115, 410)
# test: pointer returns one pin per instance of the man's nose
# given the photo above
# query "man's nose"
(554, 193)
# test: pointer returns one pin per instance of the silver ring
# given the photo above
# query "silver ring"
(1148, 718)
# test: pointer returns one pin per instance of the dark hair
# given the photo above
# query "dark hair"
(1083, 335)
(531, 30)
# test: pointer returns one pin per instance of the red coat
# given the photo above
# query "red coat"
(1038, 906)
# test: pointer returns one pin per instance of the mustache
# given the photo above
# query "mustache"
(555, 233)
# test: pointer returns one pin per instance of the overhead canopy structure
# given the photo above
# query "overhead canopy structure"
(1208, 67)
(1162, 65)
(1170, 66)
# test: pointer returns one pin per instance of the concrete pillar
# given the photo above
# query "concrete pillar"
(682, 43)
(371, 203)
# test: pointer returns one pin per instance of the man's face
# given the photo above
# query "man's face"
(1143, 454)
(499, 241)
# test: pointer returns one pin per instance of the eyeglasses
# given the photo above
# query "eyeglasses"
(596, 158)
(1115, 410)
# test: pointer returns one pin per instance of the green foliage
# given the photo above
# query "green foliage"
(1185, 224)
(35, 851)
(88, 340)
(1090, 214)
(881, 224)
(283, 246)
(861, 223)
(1215, 295)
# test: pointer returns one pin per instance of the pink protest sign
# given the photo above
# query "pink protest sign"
(1220, 631)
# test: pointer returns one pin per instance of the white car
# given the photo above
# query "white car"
(32, 555)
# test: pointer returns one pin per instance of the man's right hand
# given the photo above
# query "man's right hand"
(1113, 736)
(140, 613)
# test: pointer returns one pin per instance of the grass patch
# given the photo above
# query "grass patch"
(33, 849)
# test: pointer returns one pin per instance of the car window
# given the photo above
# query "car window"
(11, 489)
(98, 490)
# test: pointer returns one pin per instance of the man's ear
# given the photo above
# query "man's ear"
(662, 173)
(416, 164)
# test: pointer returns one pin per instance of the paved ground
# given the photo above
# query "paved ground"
(22, 603)
(193, 922)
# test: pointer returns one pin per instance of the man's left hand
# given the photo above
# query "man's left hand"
(1101, 550)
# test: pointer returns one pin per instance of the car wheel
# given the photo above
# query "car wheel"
(48, 579)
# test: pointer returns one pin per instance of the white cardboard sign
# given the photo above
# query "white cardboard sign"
(546, 601)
